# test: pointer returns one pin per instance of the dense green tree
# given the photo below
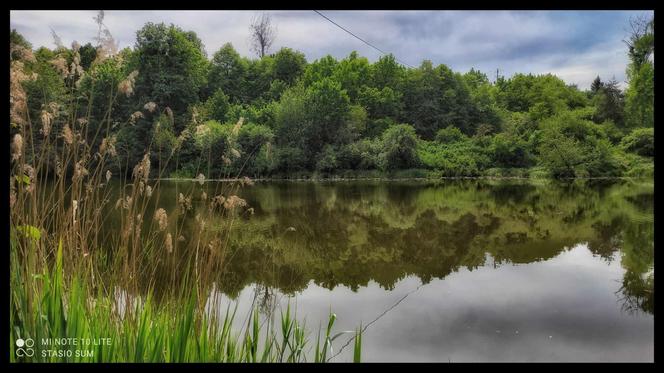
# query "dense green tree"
(327, 161)
(327, 113)
(319, 69)
(450, 135)
(573, 147)
(639, 97)
(228, 73)
(510, 151)
(435, 98)
(356, 123)
(640, 141)
(216, 106)
(387, 72)
(171, 68)
(399, 147)
(483, 95)
(259, 78)
(609, 102)
(541, 96)
(352, 73)
(282, 115)
(88, 54)
(289, 65)
(380, 103)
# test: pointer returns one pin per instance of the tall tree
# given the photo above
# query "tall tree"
(171, 67)
(640, 94)
(435, 98)
(289, 65)
(609, 102)
(263, 34)
(228, 72)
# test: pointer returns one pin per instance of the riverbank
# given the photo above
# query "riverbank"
(534, 173)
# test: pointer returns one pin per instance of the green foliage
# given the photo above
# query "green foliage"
(387, 72)
(288, 65)
(290, 116)
(462, 158)
(510, 151)
(357, 121)
(640, 96)
(352, 73)
(364, 154)
(171, 68)
(608, 100)
(327, 159)
(450, 135)
(640, 141)
(380, 103)
(297, 114)
(313, 117)
(435, 98)
(399, 147)
(228, 72)
(541, 96)
(572, 147)
(164, 136)
(319, 69)
(88, 54)
(217, 106)
(15, 38)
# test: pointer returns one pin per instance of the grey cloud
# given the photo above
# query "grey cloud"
(576, 45)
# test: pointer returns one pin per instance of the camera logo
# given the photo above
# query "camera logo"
(25, 347)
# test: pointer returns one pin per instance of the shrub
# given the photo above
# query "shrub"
(510, 151)
(327, 160)
(458, 159)
(640, 141)
(399, 147)
(217, 106)
(449, 135)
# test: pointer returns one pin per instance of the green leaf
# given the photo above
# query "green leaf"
(30, 231)
(23, 178)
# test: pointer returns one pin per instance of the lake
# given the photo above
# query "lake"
(453, 270)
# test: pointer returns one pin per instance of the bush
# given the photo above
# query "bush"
(375, 128)
(450, 135)
(216, 106)
(458, 159)
(573, 147)
(327, 160)
(360, 155)
(290, 159)
(640, 141)
(399, 148)
(509, 151)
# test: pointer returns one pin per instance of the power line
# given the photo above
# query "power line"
(362, 40)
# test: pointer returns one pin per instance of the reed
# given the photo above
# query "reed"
(72, 279)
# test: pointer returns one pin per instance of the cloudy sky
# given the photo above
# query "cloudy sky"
(575, 45)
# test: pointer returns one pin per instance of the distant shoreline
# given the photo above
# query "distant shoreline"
(339, 179)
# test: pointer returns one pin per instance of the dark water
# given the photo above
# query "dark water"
(466, 270)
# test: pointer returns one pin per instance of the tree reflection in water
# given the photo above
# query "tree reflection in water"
(350, 233)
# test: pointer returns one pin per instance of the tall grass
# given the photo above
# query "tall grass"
(145, 332)
(72, 279)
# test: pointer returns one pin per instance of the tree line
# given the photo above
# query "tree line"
(280, 115)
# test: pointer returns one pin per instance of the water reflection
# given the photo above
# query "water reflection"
(512, 270)
(352, 233)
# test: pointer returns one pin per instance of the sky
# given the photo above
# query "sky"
(574, 45)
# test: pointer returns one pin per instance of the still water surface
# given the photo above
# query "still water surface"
(464, 270)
